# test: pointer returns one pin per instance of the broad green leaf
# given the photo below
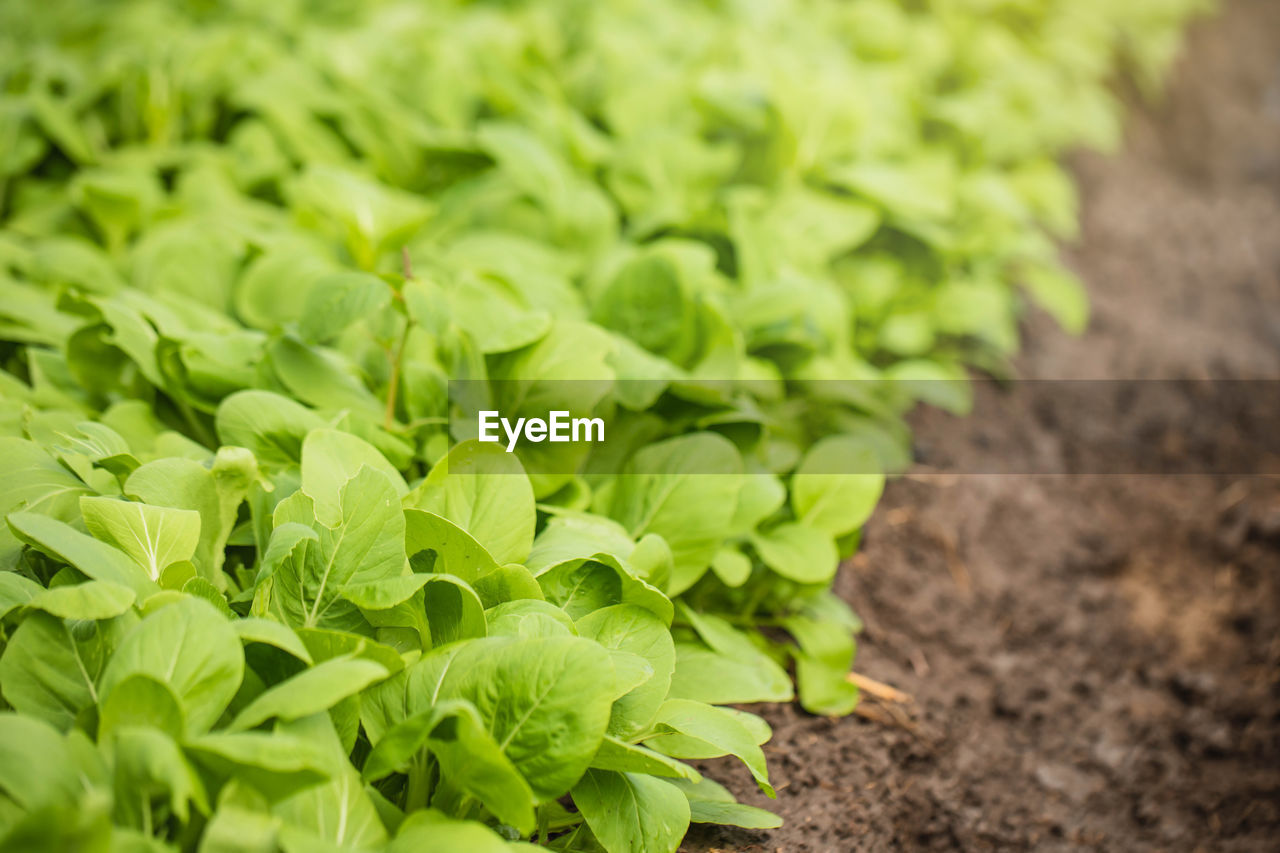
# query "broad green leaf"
(201, 588)
(709, 802)
(364, 547)
(626, 757)
(693, 512)
(89, 600)
(627, 628)
(632, 812)
(190, 647)
(149, 763)
(482, 489)
(726, 667)
(271, 633)
(260, 299)
(16, 591)
(50, 669)
(411, 691)
(582, 586)
(98, 560)
(551, 709)
(311, 691)
(436, 544)
(693, 730)
(710, 676)
(329, 460)
(529, 618)
(824, 630)
(141, 700)
(454, 611)
(215, 492)
(578, 536)
(511, 582)
(1061, 294)
(272, 427)
(234, 829)
(32, 480)
(731, 566)
(429, 831)
(334, 302)
(336, 814)
(325, 644)
(836, 486)
(154, 537)
(275, 764)
(798, 552)
(470, 759)
(36, 767)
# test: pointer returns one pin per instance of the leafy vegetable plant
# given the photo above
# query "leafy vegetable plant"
(260, 587)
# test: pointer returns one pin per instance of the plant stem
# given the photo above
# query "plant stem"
(398, 358)
(418, 793)
(396, 361)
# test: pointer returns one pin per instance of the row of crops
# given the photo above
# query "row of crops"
(261, 591)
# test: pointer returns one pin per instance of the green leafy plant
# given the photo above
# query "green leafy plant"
(260, 587)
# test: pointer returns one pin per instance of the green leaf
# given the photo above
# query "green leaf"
(511, 582)
(550, 709)
(529, 618)
(626, 757)
(50, 669)
(364, 547)
(798, 552)
(214, 492)
(444, 546)
(454, 611)
(36, 767)
(835, 487)
(693, 512)
(16, 591)
(429, 831)
(1061, 294)
(470, 759)
(275, 764)
(189, 647)
(330, 459)
(141, 700)
(201, 588)
(709, 802)
(631, 812)
(31, 479)
(411, 691)
(726, 667)
(154, 537)
(149, 763)
(89, 600)
(694, 730)
(259, 299)
(311, 691)
(334, 302)
(824, 630)
(270, 426)
(271, 633)
(96, 559)
(482, 489)
(631, 629)
(731, 566)
(233, 829)
(336, 814)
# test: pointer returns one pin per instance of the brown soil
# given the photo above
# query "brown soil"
(1095, 660)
